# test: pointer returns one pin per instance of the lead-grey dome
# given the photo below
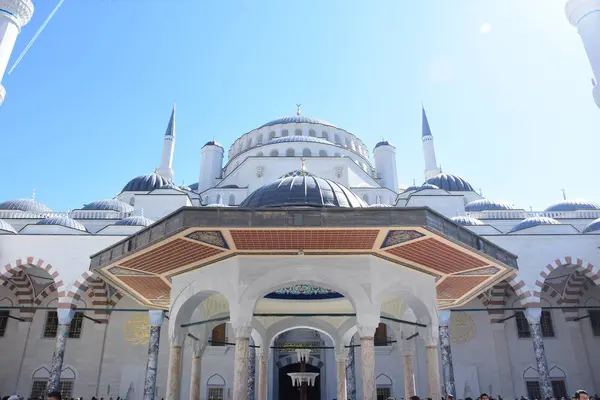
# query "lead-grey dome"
(136, 220)
(451, 183)
(487, 205)
(145, 183)
(572, 205)
(27, 205)
(308, 191)
(466, 221)
(108, 205)
(534, 221)
(593, 226)
(297, 119)
(297, 139)
(63, 221)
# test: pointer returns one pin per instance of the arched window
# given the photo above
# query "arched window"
(306, 153)
(218, 336)
(384, 386)
(381, 336)
(271, 135)
(249, 143)
(325, 135)
(215, 387)
(366, 198)
(132, 201)
(322, 153)
(523, 329)
(259, 154)
(259, 139)
(337, 139)
(274, 153)
(312, 133)
(219, 199)
(284, 133)
(232, 199)
(290, 153)
(348, 143)
(298, 132)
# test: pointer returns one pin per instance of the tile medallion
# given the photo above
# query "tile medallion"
(214, 238)
(120, 271)
(396, 237)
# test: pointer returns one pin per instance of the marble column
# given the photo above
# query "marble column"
(341, 356)
(367, 364)
(433, 369)
(534, 316)
(447, 366)
(156, 320)
(251, 370)
(351, 372)
(197, 347)
(409, 372)
(263, 373)
(174, 372)
(240, 368)
(65, 316)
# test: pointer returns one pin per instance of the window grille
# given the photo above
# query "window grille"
(66, 389)
(383, 393)
(3, 321)
(51, 326)
(76, 326)
(559, 388)
(381, 335)
(595, 321)
(534, 391)
(547, 325)
(522, 325)
(38, 389)
(215, 393)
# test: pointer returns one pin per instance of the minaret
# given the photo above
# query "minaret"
(431, 167)
(585, 15)
(384, 154)
(166, 160)
(14, 14)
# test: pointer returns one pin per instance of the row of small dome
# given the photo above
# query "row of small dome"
(73, 224)
(530, 222)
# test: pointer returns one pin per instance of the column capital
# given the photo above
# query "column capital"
(444, 317)
(197, 347)
(431, 340)
(65, 315)
(533, 315)
(407, 351)
(177, 338)
(242, 330)
(341, 354)
(156, 317)
(262, 355)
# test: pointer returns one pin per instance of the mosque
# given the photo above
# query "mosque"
(298, 267)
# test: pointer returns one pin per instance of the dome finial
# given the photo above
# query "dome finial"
(564, 192)
(33, 194)
(414, 182)
(142, 212)
(298, 109)
(303, 166)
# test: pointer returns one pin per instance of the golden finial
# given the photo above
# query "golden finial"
(33, 194)
(298, 109)
(303, 166)
(564, 194)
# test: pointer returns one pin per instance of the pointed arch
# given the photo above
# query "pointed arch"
(216, 380)
(13, 267)
(577, 284)
(383, 380)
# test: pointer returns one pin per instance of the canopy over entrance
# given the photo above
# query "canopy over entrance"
(462, 263)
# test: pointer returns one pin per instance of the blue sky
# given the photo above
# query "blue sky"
(511, 111)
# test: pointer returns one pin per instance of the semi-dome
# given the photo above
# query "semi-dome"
(422, 187)
(194, 186)
(145, 183)
(6, 227)
(308, 190)
(383, 143)
(487, 205)
(467, 221)
(136, 220)
(108, 205)
(573, 205)
(63, 221)
(297, 119)
(451, 183)
(534, 221)
(593, 226)
(27, 205)
(296, 139)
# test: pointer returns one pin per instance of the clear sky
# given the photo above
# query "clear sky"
(511, 109)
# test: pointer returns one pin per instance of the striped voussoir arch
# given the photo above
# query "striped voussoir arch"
(41, 296)
(496, 298)
(20, 286)
(9, 270)
(577, 284)
(587, 269)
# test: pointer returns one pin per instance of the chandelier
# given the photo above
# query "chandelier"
(299, 378)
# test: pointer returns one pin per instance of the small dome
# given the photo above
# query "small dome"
(534, 221)
(297, 119)
(427, 186)
(108, 205)
(380, 205)
(467, 221)
(487, 205)
(5, 226)
(27, 205)
(145, 183)
(62, 221)
(194, 186)
(186, 188)
(297, 139)
(307, 191)
(592, 226)
(212, 143)
(135, 220)
(573, 205)
(383, 143)
(451, 183)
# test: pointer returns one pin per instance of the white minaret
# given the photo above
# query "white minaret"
(585, 15)
(211, 164)
(166, 159)
(14, 14)
(384, 154)
(431, 167)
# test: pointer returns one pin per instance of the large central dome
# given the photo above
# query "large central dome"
(307, 191)
(297, 119)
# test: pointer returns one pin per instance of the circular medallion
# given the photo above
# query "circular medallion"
(462, 328)
(137, 329)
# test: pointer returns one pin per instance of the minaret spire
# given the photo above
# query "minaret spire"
(166, 160)
(425, 129)
(431, 166)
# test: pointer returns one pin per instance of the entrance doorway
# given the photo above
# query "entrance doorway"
(287, 391)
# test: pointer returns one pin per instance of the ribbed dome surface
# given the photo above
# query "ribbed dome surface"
(593, 226)
(194, 186)
(487, 205)
(62, 221)
(135, 220)
(298, 139)
(5, 226)
(29, 205)
(451, 183)
(171, 186)
(306, 190)
(467, 221)
(297, 119)
(573, 205)
(108, 205)
(383, 143)
(534, 221)
(145, 183)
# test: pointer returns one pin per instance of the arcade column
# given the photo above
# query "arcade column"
(65, 316)
(156, 320)
(447, 366)
(174, 372)
(263, 373)
(534, 316)
(240, 368)
(341, 356)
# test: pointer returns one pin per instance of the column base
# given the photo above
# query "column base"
(2, 94)
(595, 93)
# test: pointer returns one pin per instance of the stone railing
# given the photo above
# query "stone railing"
(77, 214)
(522, 214)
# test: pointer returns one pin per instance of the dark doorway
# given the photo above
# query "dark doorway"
(288, 392)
